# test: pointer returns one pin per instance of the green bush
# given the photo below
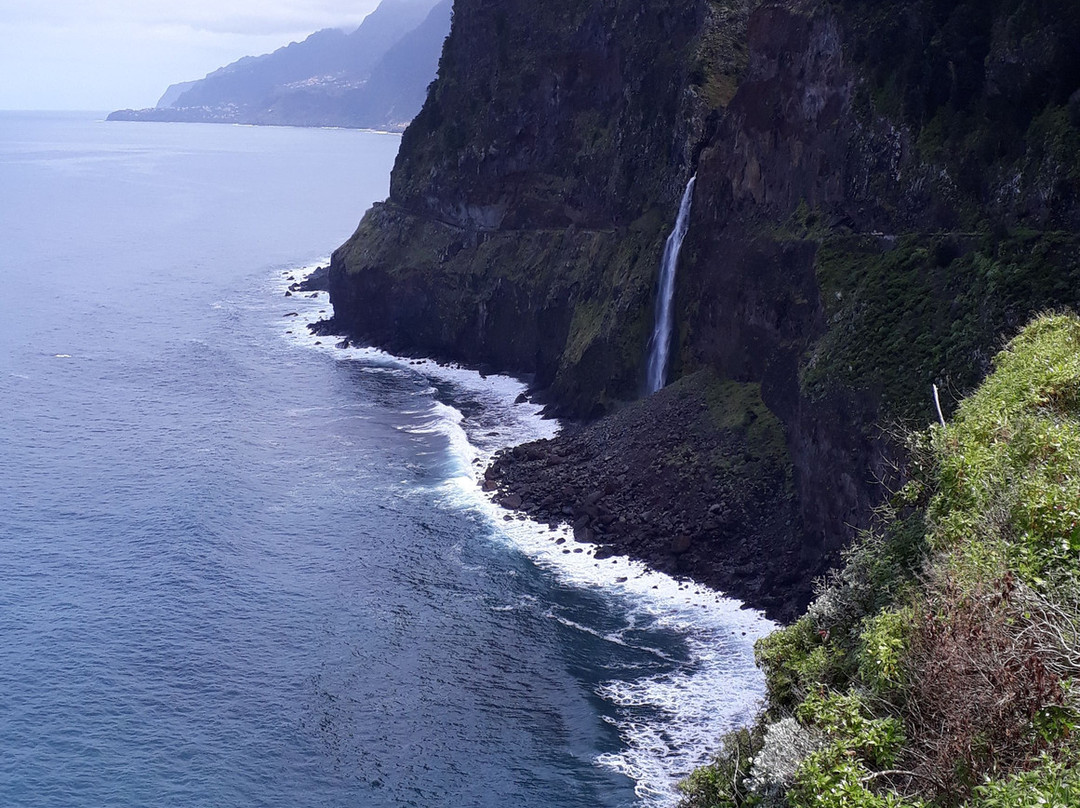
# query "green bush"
(1051, 785)
(796, 660)
(846, 719)
(883, 647)
(722, 783)
(880, 569)
(831, 779)
(860, 745)
(1011, 456)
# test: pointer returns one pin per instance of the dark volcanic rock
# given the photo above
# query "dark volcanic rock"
(694, 480)
(510, 501)
(317, 281)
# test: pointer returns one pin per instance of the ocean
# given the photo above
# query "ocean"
(241, 566)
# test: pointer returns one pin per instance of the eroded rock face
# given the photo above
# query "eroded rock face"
(532, 195)
(817, 192)
(414, 284)
(752, 292)
(554, 116)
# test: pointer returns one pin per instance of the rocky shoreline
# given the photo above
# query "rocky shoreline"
(676, 482)
(695, 481)
(317, 281)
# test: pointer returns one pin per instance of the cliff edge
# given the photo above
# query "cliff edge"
(884, 192)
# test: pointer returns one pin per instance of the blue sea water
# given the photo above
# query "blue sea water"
(240, 566)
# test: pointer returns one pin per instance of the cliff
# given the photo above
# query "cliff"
(885, 191)
(526, 212)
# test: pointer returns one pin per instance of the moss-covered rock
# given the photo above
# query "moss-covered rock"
(907, 312)
(416, 284)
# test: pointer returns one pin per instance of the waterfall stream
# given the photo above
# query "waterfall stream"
(660, 342)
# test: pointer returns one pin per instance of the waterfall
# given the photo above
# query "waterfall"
(660, 341)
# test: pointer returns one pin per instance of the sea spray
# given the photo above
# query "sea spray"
(668, 720)
(660, 342)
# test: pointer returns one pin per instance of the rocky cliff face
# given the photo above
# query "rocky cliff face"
(532, 195)
(884, 190)
(853, 247)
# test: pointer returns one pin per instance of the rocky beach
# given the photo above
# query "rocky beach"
(691, 481)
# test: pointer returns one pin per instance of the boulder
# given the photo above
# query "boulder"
(512, 501)
(583, 535)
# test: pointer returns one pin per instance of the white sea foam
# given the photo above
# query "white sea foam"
(670, 722)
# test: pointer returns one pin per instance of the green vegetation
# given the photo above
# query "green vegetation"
(592, 318)
(725, 784)
(979, 221)
(737, 406)
(911, 311)
(722, 54)
(752, 465)
(939, 666)
(948, 68)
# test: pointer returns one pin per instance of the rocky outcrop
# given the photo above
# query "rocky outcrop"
(884, 190)
(318, 280)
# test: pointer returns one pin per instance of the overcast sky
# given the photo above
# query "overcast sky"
(114, 54)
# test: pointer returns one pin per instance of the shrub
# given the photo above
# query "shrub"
(831, 779)
(839, 775)
(1051, 784)
(846, 720)
(723, 783)
(879, 570)
(796, 660)
(882, 651)
(980, 688)
(787, 744)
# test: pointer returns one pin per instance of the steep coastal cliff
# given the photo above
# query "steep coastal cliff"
(531, 197)
(884, 193)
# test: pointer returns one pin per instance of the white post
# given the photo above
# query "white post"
(937, 403)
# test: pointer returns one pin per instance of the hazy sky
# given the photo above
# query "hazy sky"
(113, 54)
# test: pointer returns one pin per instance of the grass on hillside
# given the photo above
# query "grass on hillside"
(939, 666)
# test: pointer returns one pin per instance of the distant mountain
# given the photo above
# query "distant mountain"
(397, 85)
(375, 77)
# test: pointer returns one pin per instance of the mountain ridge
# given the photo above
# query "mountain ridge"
(374, 77)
